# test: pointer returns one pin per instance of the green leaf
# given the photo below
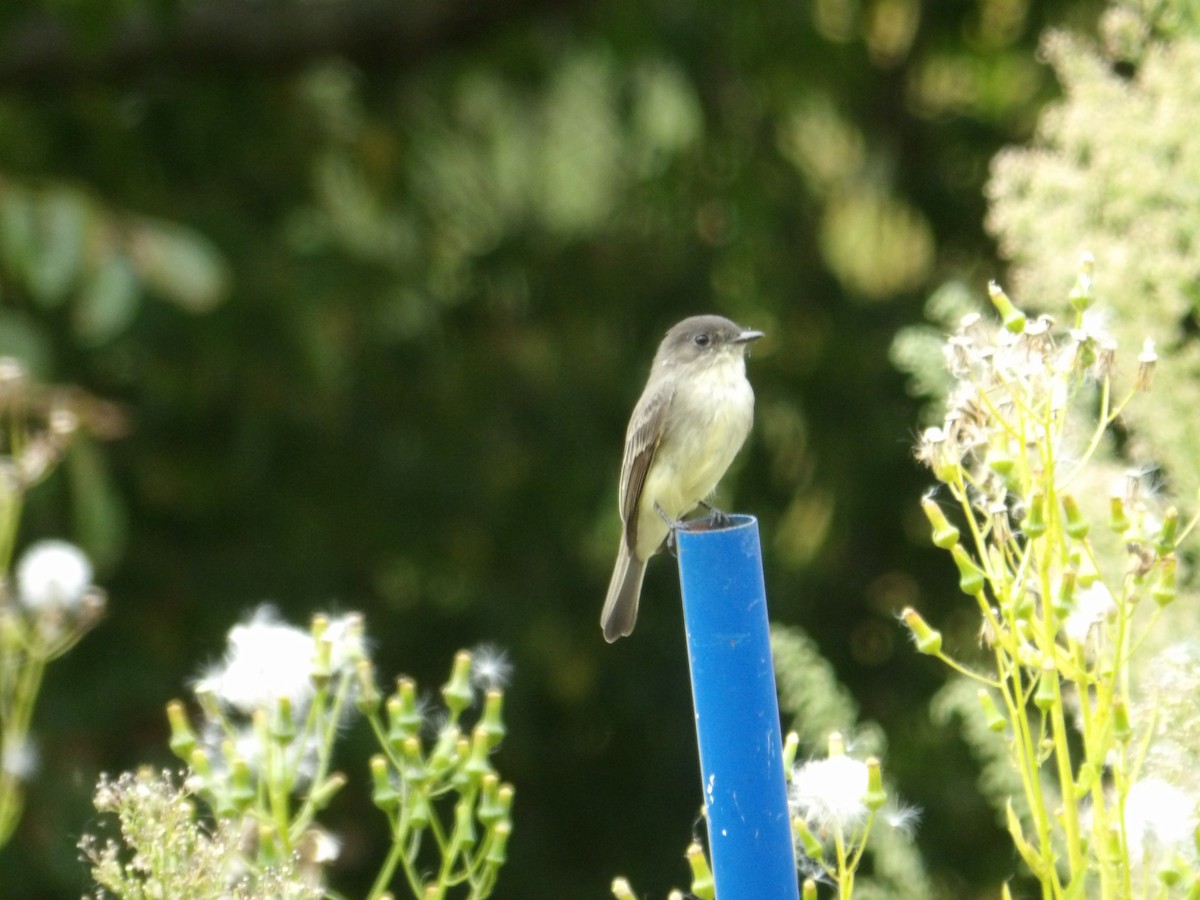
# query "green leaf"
(100, 518)
(23, 339)
(16, 228)
(61, 220)
(108, 303)
(179, 264)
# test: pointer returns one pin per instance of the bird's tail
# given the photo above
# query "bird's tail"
(621, 605)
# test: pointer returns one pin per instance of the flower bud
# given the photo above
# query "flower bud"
(1173, 871)
(1164, 543)
(809, 889)
(462, 779)
(1034, 524)
(703, 885)
(283, 726)
(999, 459)
(875, 796)
(1163, 590)
(183, 739)
(421, 811)
(200, 764)
(1077, 526)
(1046, 693)
(945, 535)
(1064, 597)
(477, 761)
(383, 792)
(1147, 360)
(1081, 293)
(791, 745)
(970, 576)
(457, 691)
(622, 890)
(368, 697)
(1084, 566)
(995, 719)
(404, 718)
(505, 797)
(445, 749)
(268, 849)
(242, 792)
(1013, 318)
(322, 794)
(1122, 727)
(808, 841)
(928, 640)
(497, 853)
(489, 811)
(491, 723)
(464, 824)
(322, 664)
(837, 744)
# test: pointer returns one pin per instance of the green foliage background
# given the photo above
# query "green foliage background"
(377, 285)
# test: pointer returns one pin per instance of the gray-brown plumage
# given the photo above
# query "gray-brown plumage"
(691, 420)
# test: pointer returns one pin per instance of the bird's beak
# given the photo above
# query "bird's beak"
(747, 337)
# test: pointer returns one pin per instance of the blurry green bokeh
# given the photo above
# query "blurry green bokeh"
(377, 286)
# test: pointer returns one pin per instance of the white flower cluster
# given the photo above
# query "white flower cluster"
(1013, 387)
(268, 660)
(835, 801)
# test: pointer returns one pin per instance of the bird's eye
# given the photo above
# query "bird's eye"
(701, 340)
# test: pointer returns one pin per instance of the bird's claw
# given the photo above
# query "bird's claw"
(716, 518)
(671, 544)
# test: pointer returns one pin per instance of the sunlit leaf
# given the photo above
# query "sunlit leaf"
(23, 339)
(16, 228)
(108, 302)
(100, 517)
(179, 264)
(61, 220)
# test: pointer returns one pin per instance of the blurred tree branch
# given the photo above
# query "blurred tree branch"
(43, 50)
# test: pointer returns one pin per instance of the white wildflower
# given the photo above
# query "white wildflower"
(266, 660)
(19, 758)
(53, 575)
(348, 646)
(829, 793)
(1094, 605)
(1158, 816)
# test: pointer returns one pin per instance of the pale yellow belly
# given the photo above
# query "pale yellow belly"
(687, 468)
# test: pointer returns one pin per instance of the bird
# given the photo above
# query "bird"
(688, 425)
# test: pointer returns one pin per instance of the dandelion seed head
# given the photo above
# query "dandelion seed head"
(1094, 605)
(53, 575)
(829, 793)
(1158, 816)
(903, 818)
(490, 668)
(19, 759)
(349, 645)
(265, 660)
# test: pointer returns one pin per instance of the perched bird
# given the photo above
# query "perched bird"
(688, 425)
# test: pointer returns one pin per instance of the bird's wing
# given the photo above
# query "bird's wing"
(641, 443)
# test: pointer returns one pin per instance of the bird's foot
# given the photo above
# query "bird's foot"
(716, 518)
(672, 524)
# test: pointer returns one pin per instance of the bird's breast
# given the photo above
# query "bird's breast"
(707, 424)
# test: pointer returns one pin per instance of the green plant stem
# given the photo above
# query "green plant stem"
(388, 869)
(845, 872)
(18, 715)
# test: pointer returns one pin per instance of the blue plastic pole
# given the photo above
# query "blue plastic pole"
(737, 713)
